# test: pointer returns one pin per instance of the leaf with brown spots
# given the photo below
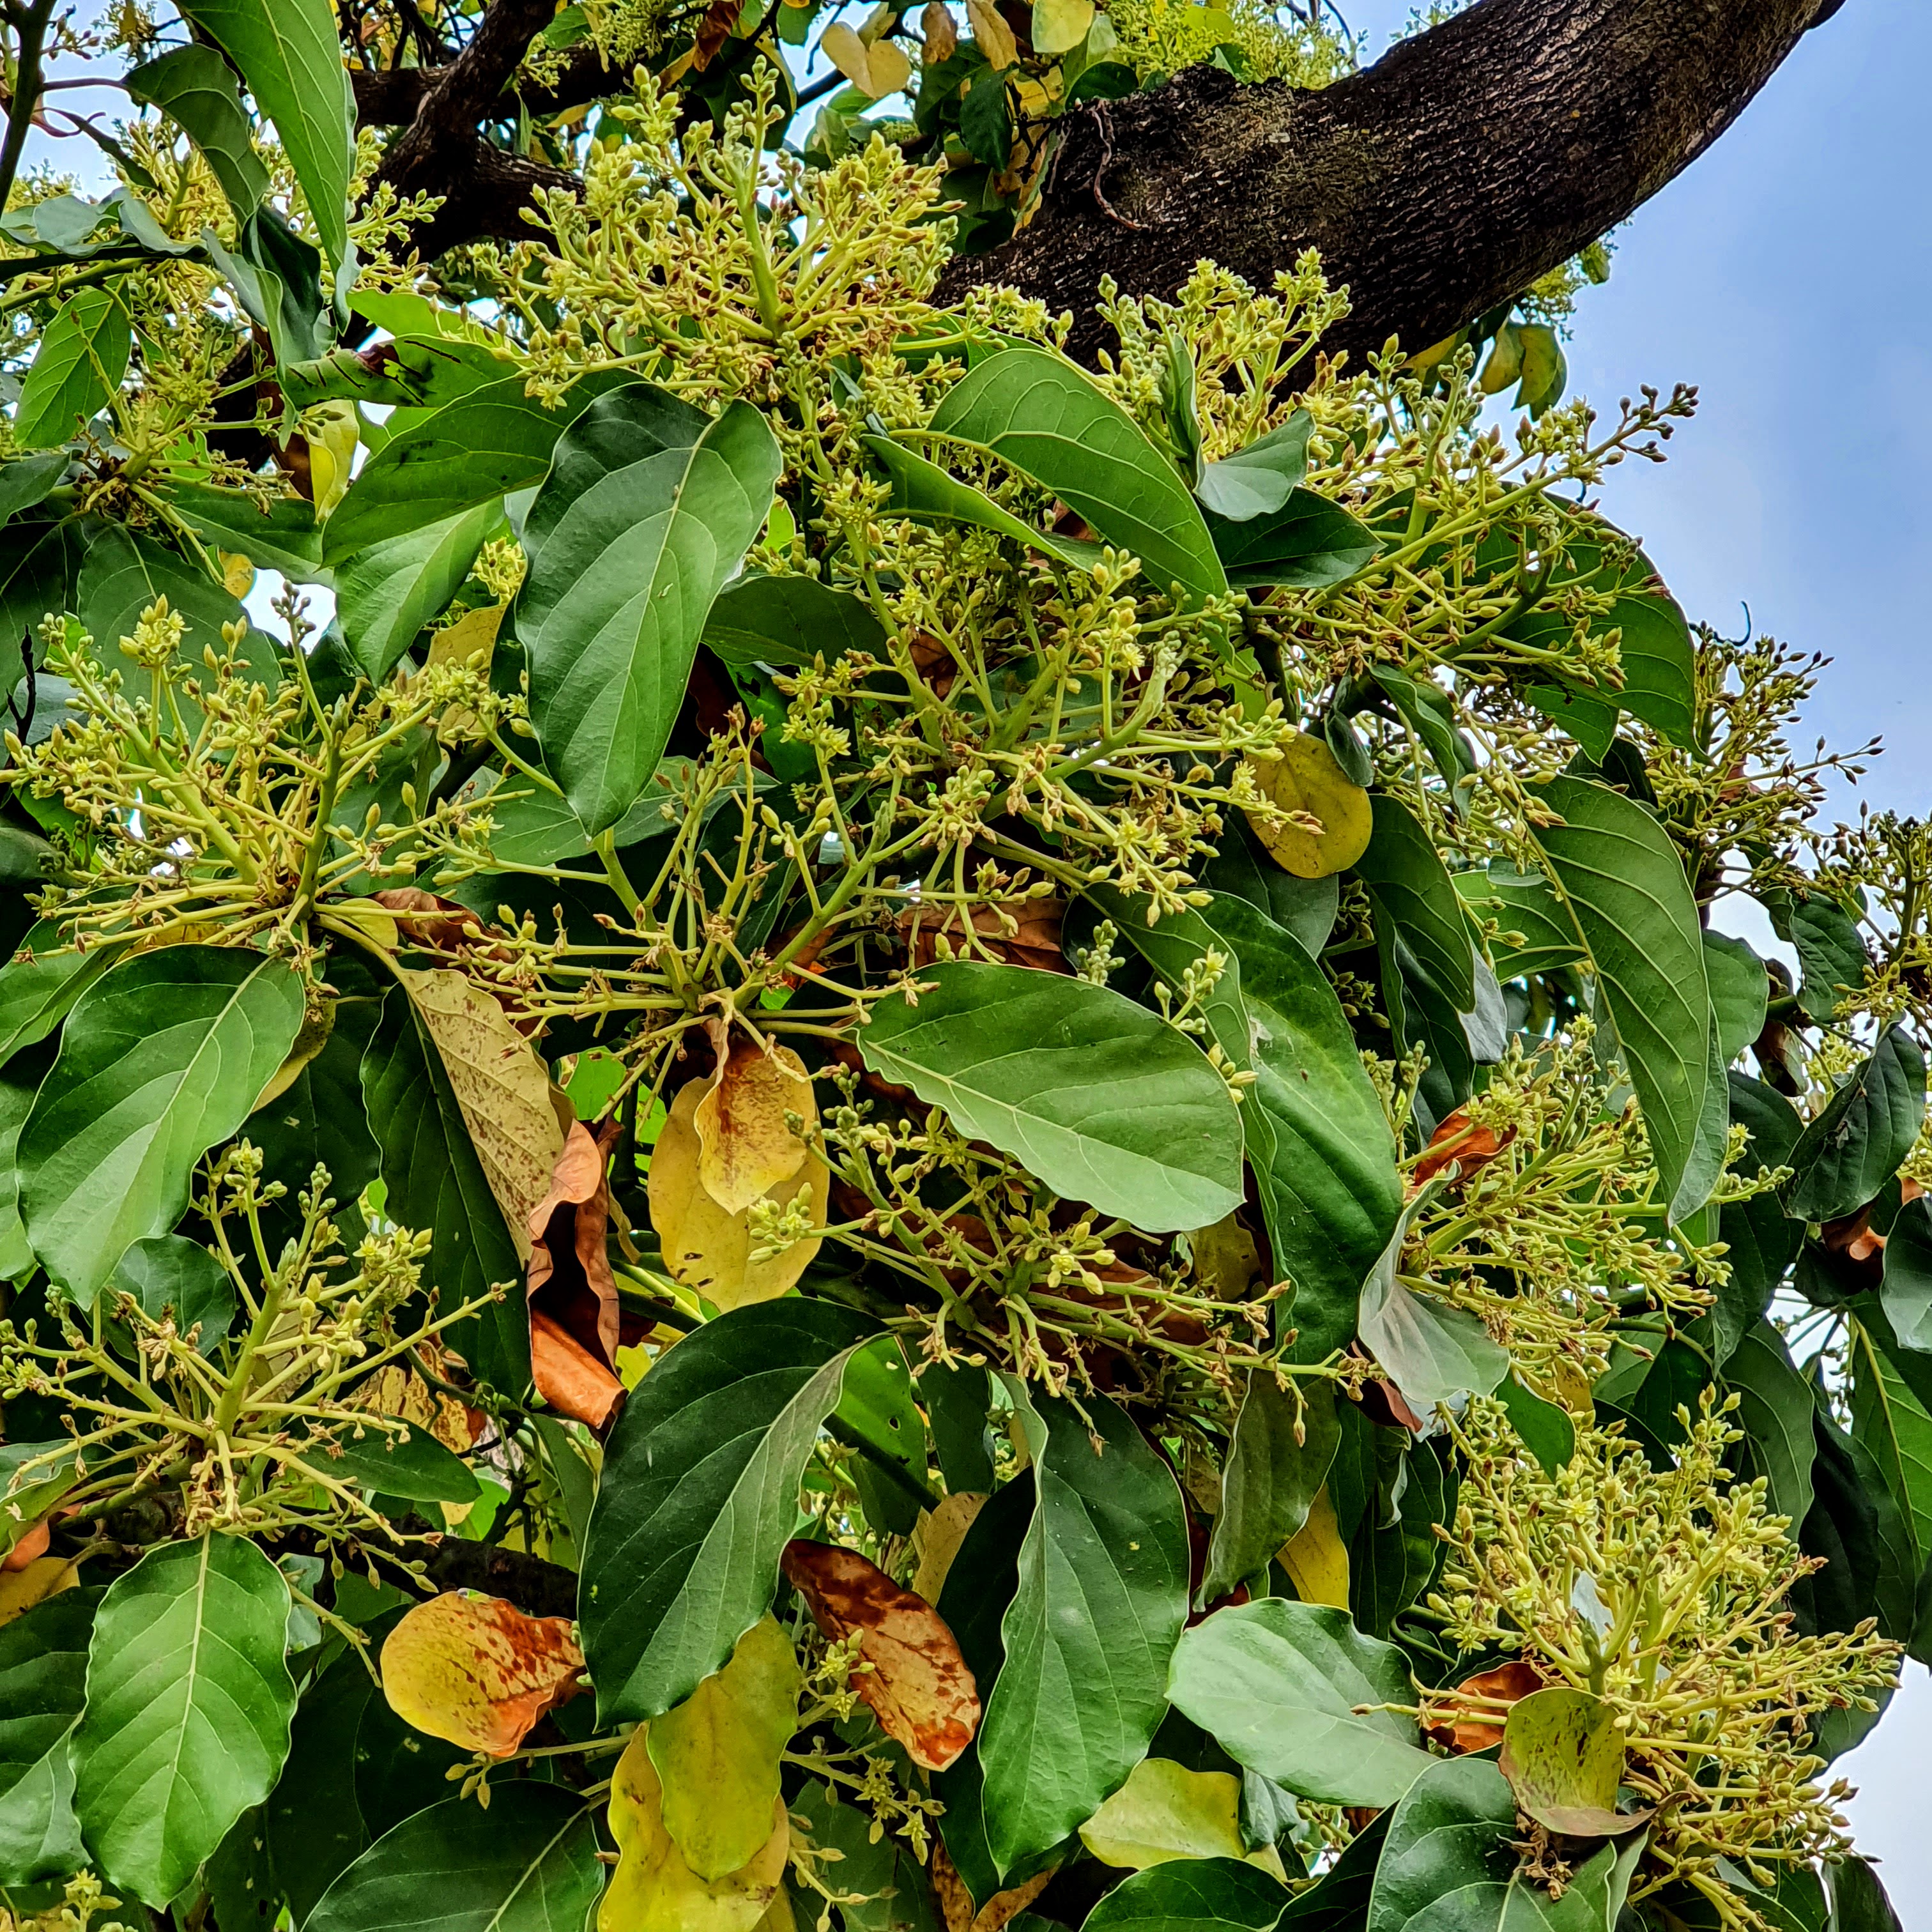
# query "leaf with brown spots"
(919, 1686)
(745, 1148)
(572, 1293)
(477, 1672)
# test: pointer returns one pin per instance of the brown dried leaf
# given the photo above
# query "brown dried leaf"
(1474, 1730)
(1456, 1141)
(572, 1294)
(956, 1902)
(745, 1148)
(713, 31)
(1024, 932)
(919, 1686)
(477, 1672)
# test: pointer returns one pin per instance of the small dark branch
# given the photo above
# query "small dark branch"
(1446, 178)
(31, 22)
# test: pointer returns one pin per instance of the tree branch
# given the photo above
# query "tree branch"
(1468, 161)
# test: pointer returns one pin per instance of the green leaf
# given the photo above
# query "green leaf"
(1318, 1143)
(1905, 1287)
(1103, 1596)
(699, 1495)
(1411, 892)
(1277, 1683)
(43, 1686)
(435, 1182)
(1257, 480)
(889, 1881)
(1894, 1429)
(170, 1273)
(18, 1083)
(285, 536)
(1859, 1900)
(1854, 1147)
(188, 1706)
(1774, 1410)
(314, 1825)
(1270, 1480)
(927, 493)
(39, 562)
(1395, 1551)
(1633, 909)
(1166, 1811)
(790, 620)
(1339, 1902)
(1740, 990)
(1191, 1895)
(647, 509)
(1307, 544)
(488, 440)
(957, 1401)
(386, 594)
(1448, 1864)
(27, 481)
(413, 1465)
(1763, 1240)
(1040, 413)
(528, 1864)
(1545, 1430)
(27, 1501)
(877, 1410)
(161, 1060)
(123, 574)
(288, 55)
(1101, 1100)
(79, 364)
(1564, 1756)
(197, 87)
(276, 275)
(1305, 909)
(1832, 959)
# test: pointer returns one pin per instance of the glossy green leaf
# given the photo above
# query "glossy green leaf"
(923, 491)
(161, 1059)
(170, 1274)
(1854, 1147)
(647, 509)
(1339, 1902)
(413, 1465)
(1318, 1143)
(188, 1706)
(1564, 1756)
(1410, 889)
(1191, 1895)
(790, 620)
(1534, 934)
(288, 55)
(699, 1495)
(1625, 885)
(1102, 1598)
(1039, 412)
(79, 364)
(195, 87)
(39, 562)
(1306, 909)
(1545, 1430)
(43, 1686)
(528, 1864)
(1763, 1240)
(1101, 1100)
(124, 573)
(1277, 1683)
(435, 1182)
(1257, 480)
(1894, 1428)
(876, 1411)
(20, 1080)
(285, 536)
(34, 1476)
(1774, 1410)
(1906, 1287)
(1740, 991)
(314, 1825)
(1307, 544)
(1270, 1478)
(27, 480)
(1859, 1900)
(1832, 960)
(386, 593)
(1449, 1865)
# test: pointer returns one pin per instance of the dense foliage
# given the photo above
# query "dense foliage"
(878, 1133)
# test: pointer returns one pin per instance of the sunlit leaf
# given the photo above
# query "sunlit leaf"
(477, 1671)
(1166, 1811)
(1307, 782)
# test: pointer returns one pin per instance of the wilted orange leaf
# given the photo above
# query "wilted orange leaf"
(572, 1294)
(32, 1546)
(919, 1686)
(1469, 1148)
(746, 1148)
(477, 1672)
(1474, 1730)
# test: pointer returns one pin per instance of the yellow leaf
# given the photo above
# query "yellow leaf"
(471, 640)
(478, 1671)
(1059, 26)
(717, 1754)
(889, 66)
(653, 1890)
(238, 573)
(1315, 1557)
(745, 1148)
(503, 1088)
(938, 1538)
(1225, 1258)
(1165, 1811)
(780, 1918)
(331, 453)
(843, 49)
(1306, 780)
(993, 36)
(46, 1577)
(706, 1248)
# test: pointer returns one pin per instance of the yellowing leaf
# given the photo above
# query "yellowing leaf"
(717, 1754)
(476, 1671)
(46, 1577)
(1059, 26)
(471, 640)
(1165, 1811)
(238, 573)
(745, 1148)
(318, 1023)
(937, 1538)
(876, 70)
(503, 1088)
(994, 37)
(706, 1247)
(1316, 1558)
(1306, 780)
(653, 1890)
(331, 452)
(919, 1686)
(1564, 1757)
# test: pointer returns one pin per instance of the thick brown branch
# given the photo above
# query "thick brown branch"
(1471, 159)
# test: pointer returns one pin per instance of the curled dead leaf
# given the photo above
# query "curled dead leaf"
(1023, 932)
(713, 31)
(918, 1687)
(956, 1902)
(1456, 1141)
(477, 1672)
(574, 1328)
(745, 1148)
(1476, 1723)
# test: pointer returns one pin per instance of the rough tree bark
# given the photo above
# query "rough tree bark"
(1469, 161)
